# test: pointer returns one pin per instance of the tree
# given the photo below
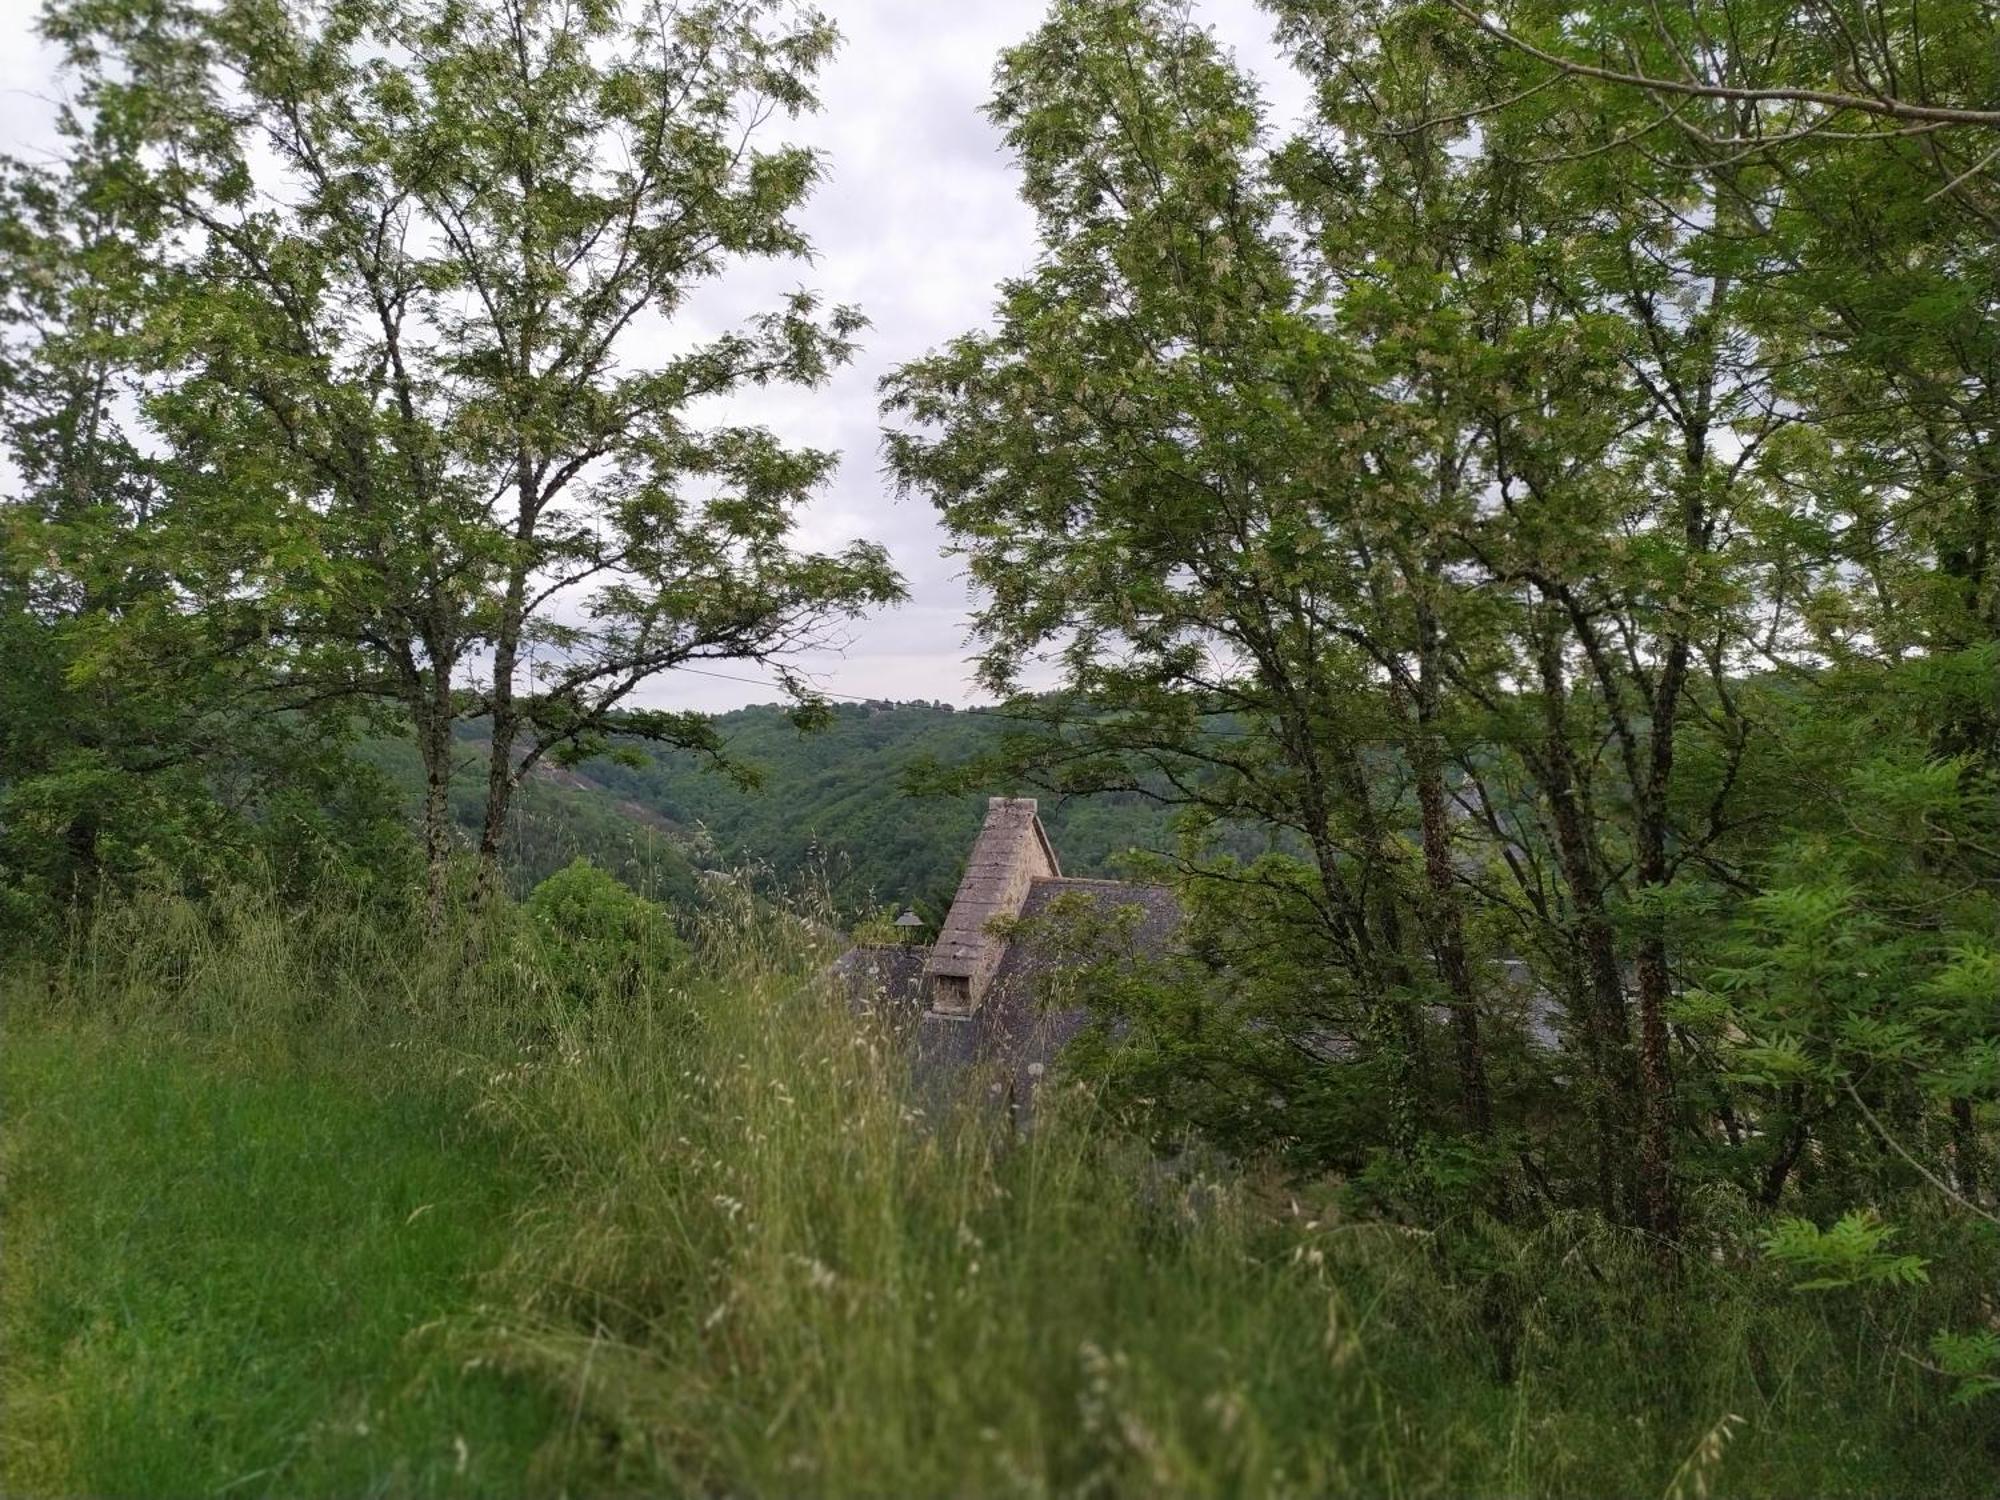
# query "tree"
(598, 936)
(1476, 491)
(1852, 368)
(1205, 494)
(408, 297)
(149, 719)
(1914, 83)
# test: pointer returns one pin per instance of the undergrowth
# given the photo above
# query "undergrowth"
(308, 1203)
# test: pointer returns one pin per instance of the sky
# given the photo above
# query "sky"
(917, 223)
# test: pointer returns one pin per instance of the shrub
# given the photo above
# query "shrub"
(598, 936)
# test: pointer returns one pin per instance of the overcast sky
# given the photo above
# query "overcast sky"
(917, 223)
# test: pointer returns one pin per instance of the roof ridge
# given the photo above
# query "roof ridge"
(1149, 885)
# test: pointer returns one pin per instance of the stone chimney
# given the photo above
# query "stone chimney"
(1010, 853)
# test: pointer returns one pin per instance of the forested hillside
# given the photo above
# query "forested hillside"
(837, 803)
(557, 817)
(832, 810)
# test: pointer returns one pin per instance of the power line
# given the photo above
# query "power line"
(760, 682)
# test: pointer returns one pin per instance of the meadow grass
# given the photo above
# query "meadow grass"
(297, 1203)
(218, 1279)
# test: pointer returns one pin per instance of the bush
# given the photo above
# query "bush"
(598, 937)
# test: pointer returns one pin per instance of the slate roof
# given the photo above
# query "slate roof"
(1152, 932)
(1012, 1031)
(1011, 1038)
(973, 1004)
(882, 976)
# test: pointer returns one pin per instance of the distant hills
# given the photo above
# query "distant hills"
(831, 811)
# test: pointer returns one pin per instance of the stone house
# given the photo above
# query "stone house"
(972, 995)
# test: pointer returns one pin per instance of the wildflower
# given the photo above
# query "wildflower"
(819, 1276)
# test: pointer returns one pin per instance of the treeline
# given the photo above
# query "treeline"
(852, 814)
(860, 809)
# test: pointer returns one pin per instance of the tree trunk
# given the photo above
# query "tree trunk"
(506, 718)
(499, 787)
(1448, 941)
(1389, 1008)
(1791, 1145)
(434, 745)
(80, 844)
(1445, 920)
(1607, 1035)
(1447, 935)
(1657, 1206)
(1965, 1149)
(1387, 954)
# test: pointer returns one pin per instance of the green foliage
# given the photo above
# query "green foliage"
(581, 903)
(87, 824)
(379, 319)
(877, 929)
(1851, 1252)
(600, 938)
(1517, 547)
(1973, 1359)
(1486, 485)
(152, 717)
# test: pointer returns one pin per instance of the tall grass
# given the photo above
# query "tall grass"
(762, 1266)
(743, 1254)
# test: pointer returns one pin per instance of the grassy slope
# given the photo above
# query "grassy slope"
(760, 1278)
(693, 1239)
(218, 1277)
